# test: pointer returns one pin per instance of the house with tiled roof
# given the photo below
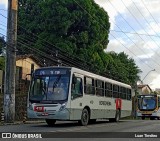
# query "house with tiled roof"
(144, 89)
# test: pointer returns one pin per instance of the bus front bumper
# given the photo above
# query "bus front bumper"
(59, 115)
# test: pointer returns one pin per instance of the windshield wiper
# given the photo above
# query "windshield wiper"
(43, 89)
(56, 82)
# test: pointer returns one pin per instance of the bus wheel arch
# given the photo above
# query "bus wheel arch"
(85, 116)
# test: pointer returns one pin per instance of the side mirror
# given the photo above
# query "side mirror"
(74, 79)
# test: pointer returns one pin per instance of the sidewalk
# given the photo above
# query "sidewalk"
(23, 122)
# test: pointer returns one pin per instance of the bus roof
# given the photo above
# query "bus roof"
(89, 74)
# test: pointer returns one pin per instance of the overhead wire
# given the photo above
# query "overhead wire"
(137, 34)
(112, 35)
(124, 45)
(139, 23)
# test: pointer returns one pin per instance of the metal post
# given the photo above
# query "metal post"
(10, 65)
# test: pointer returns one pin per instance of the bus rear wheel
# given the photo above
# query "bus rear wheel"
(84, 118)
(50, 122)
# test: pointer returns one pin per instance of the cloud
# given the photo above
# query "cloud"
(113, 8)
(141, 18)
(155, 83)
(4, 3)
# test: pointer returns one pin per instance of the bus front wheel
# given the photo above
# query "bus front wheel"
(84, 118)
(50, 122)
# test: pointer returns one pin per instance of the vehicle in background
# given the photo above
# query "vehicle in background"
(148, 106)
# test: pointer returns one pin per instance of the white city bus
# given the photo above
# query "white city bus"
(148, 106)
(68, 93)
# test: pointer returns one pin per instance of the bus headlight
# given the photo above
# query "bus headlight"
(63, 106)
(154, 111)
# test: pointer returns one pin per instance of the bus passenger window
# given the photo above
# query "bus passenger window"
(128, 94)
(89, 87)
(77, 88)
(99, 88)
(108, 91)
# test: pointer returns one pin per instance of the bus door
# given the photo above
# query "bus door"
(76, 96)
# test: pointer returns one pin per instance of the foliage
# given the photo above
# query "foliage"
(2, 44)
(2, 63)
(66, 25)
(123, 68)
(80, 28)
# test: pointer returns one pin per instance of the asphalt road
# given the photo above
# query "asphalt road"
(101, 130)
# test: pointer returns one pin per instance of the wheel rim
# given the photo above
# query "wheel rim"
(85, 117)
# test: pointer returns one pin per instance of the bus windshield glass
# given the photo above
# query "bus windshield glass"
(49, 87)
(147, 103)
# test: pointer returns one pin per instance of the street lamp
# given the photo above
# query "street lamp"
(147, 74)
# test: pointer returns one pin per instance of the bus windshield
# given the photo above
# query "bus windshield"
(147, 103)
(49, 88)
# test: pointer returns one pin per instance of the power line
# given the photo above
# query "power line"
(110, 33)
(138, 22)
(150, 14)
(57, 48)
(134, 33)
(136, 44)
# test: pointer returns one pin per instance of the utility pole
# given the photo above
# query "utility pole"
(10, 64)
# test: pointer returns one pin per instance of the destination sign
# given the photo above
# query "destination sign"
(51, 71)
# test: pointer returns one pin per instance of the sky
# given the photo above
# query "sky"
(135, 29)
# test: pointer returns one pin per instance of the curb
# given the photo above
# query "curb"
(21, 122)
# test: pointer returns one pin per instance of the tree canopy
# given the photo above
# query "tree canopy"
(2, 44)
(80, 28)
(65, 24)
(123, 68)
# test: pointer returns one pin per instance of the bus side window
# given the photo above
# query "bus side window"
(77, 87)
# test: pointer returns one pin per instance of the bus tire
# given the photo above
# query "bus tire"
(84, 118)
(50, 122)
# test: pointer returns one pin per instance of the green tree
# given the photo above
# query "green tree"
(2, 44)
(123, 68)
(2, 63)
(65, 24)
